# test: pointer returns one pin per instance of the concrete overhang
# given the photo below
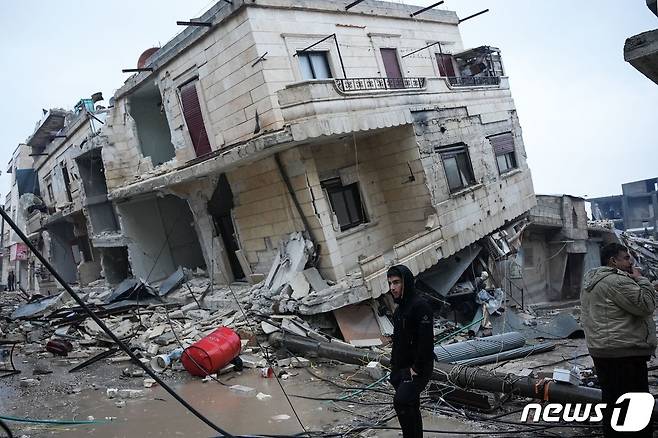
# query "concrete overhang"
(50, 125)
(641, 51)
(322, 107)
(218, 161)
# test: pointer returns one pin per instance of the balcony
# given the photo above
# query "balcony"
(328, 107)
(350, 85)
(473, 81)
(35, 222)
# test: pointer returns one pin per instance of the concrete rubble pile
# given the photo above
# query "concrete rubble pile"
(644, 251)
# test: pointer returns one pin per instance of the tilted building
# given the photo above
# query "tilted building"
(371, 129)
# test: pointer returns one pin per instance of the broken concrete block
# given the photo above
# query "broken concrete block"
(27, 383)
(289, 325)
(300, 287)
(148, 382)
(375, 370)
(153, 349)
(295, 362)
(252, 361)
(157, 331)
(315, 279)
(260, 396)
(268, 328)
(130, 393)
(133, 372)
(241, 388)
(111, 392)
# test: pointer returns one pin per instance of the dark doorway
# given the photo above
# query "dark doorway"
(391, 64)
(573, 276)
(219, 207)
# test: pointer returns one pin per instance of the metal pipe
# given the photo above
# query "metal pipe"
(295, 201)
(422, 48)
(459, 375)
(478, 347)
(314, 44)
(354, 3)
(340, 57)
(420, 11)
(102, 325)
(472, 16)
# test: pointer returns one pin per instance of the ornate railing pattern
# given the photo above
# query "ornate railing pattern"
(348, 85)
(473, 81)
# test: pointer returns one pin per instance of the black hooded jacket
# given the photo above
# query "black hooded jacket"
(413, 334)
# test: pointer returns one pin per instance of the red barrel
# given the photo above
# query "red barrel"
(211, 353)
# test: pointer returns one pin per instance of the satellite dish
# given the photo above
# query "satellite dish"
(141, 62)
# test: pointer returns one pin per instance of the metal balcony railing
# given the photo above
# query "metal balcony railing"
(473, 81)
(377, 84)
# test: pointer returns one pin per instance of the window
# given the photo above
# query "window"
(346, 203)
(446, 68)
(457, 166)
(67, 182)
(194, 119)
(314, 65)
(503, 146)
(51, 194)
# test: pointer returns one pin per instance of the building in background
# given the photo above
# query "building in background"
(636, 209)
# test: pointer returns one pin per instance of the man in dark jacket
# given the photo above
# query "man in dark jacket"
(412, 358)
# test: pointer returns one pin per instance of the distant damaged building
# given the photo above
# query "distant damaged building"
(376, 134)
(636, 209)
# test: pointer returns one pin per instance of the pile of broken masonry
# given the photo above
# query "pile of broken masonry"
(156, 319)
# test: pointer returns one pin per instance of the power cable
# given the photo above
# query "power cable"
(237, 301)
(104, 327)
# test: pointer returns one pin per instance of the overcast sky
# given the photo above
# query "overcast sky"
(589, 119)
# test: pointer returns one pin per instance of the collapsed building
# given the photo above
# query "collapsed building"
(641, 51)
(236, 134)
(635, 210)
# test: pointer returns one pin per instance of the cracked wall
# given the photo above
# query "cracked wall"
(469, 214)
(161, 236)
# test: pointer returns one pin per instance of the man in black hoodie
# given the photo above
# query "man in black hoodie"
(412, 358)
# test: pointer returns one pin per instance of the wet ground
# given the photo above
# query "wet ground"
(82, 396)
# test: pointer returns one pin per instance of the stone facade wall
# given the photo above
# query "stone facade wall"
(476, 211)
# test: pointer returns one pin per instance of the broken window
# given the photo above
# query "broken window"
(457, 166)
(446, 68)
(153, 131)
(194, 119)
(51, 194)
(503, 146)
(346, 203)
(314, 65)
(67, 181)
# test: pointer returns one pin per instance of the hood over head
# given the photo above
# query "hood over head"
(407, 279)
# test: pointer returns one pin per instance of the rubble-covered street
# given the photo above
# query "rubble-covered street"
(113, 397)
(307, 218)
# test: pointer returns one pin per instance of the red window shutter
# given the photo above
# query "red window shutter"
(445, 65)
(502, 143)
(194, 119)
(391, 65)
